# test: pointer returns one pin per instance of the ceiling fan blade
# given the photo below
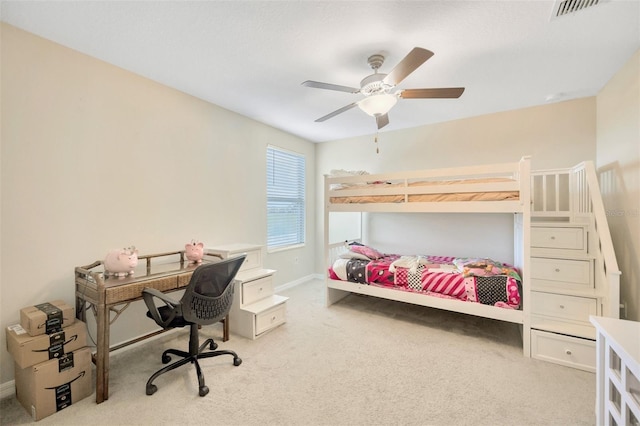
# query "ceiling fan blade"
(336, 112)
(443, 92)
(409, 64)
(319, 85)
(382, 120)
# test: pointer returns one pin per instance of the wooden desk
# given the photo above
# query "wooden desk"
(165, 272)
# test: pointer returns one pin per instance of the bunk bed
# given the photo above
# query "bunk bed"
(564, 261)
(497, 188)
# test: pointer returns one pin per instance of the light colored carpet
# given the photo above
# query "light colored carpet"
(363, 361)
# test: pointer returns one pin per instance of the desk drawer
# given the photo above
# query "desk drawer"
(183, 280)
(576, 272)
(133, 291)
(270, 318)
(253, 291)
(558, 238)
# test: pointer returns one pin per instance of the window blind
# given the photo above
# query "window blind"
(285, 198)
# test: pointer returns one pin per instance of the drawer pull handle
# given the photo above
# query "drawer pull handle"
(553, 238)
(557, 269)
(260, 289)
(567, 351)
(561, 306)
(273, 318)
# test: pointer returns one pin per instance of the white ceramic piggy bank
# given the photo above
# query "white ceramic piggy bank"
(194, 251)
(121, 262)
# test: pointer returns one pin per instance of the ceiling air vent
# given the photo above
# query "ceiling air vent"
(568, 7)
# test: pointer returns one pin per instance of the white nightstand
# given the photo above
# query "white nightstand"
(256, 309)
(618, 372)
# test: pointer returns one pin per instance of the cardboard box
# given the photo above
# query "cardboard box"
(46, 318)
(46, 388)
(28, 350)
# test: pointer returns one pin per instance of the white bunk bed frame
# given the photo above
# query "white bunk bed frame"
(520, 174)
(570, 195)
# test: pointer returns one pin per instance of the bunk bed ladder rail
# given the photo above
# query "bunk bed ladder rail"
(606, 263)
(550, 191)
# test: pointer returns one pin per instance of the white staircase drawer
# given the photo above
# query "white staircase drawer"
(562, 326)
(561, 306)
(253, 252)
(253, 260)
(564, 350)
(253, 291)
(564, 270)
(558, 238)
(271, 318)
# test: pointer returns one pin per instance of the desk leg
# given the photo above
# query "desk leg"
(225, 329)
(102, 354)
(81, 314)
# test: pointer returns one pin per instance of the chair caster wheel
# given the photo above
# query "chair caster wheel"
(166, 359)
(151, 389)
(213, 346)
(203, 391)
(237, 361)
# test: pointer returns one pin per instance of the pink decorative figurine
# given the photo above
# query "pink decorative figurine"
(194, 251)
(121, 262)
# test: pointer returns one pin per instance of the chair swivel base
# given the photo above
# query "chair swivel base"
(189, 358)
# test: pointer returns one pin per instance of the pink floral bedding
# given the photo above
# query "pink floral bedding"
(472, 280)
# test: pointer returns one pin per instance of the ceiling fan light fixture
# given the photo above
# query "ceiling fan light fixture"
(378, 104)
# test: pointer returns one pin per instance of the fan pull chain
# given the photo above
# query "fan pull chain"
(375, 140)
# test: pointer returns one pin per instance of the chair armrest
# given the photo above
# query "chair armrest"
(148, 294)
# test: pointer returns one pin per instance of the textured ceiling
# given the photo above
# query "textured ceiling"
(251, 56)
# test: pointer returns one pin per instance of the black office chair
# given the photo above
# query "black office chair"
(207, 300)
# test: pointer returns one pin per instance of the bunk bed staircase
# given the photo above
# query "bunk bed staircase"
(574, 272)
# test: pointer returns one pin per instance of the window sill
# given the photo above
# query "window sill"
(279, 249)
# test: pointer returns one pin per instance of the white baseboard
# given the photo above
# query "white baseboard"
(294, 283)
(8, 389)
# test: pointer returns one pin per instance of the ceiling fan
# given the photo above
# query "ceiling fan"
(377, 87)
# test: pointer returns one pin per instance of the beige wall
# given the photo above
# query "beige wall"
(555, 135)
(618, 162)
(96, 158)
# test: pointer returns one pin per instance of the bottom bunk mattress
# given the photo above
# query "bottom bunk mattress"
(476, 280)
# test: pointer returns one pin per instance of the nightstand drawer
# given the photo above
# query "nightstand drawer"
(563, 270)
(558, 238)
(253, 253)
(253, 291)
(564, 350)
(561, 306)
(271, 318)
(253, 260)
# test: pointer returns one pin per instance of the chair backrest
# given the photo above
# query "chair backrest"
(209, 295)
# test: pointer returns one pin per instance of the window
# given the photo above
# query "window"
(285, 198)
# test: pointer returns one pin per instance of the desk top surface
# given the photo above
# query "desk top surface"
(155, 271)
(623, 334)
(145, 271)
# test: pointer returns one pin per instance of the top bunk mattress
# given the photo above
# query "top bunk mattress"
(417, 195)
(484, 188)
